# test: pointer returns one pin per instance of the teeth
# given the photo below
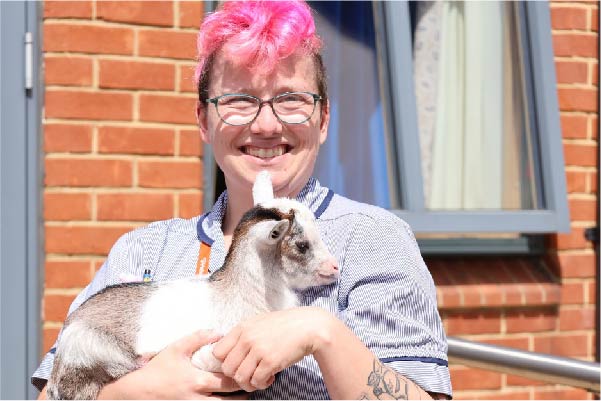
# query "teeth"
(265, 153)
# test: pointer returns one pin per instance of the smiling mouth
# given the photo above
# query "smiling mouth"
(265, 153)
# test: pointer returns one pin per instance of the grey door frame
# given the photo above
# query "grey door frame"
(21, 226)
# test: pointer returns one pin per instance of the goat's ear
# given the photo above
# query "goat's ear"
(271, 231)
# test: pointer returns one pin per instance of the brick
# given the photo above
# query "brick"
(572, 293)
(135, 207)
(190, 13)
(583, 209)
(68, 71)
(571, 72)
(190, 205)
(531, 320)
(64, 206)
(574, 345)
(470, 294)
(574, 44)
(190, 143)
(474, 379)
(562, 394)
(81, 240)
(594, 69)
(88, 39)
(594, 122)
(88, 105)
(67, 274)
(186, 79)
(592, 292)
(568, 18)
(477, 322)
(50, 334)
(595, 20)
(576, 181)
(167, 44)
(119, 74)
(580, 155)
(522, 381)
(576, 319)
(88, 172)
(574, 126)
(511, 342)
(503, 395)
(594, 182)
(67, 138)
(56, 307)
(449, 297)
(577, 99)
(128, 140)
(168, 109)
(577, 265)
(67, 9)
(572, 240)
(136, 12)
(160, 174)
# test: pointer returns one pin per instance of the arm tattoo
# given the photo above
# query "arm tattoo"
(386, 384)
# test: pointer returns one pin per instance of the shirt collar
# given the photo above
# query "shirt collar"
(313, 195)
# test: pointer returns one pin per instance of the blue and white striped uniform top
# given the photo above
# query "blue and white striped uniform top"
(385, 293)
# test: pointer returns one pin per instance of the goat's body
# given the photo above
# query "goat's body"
(99, 345)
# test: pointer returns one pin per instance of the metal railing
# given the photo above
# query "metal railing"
(549, 368)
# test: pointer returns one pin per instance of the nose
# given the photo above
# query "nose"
(266, 122)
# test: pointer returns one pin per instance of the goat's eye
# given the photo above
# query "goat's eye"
(302, 246)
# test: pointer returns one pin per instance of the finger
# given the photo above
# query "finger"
(245, 372)
(191, 343)
(225, 345)
(234, 358)
(263, 376)
(216, 383)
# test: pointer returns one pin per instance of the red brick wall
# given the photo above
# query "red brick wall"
(121, 149)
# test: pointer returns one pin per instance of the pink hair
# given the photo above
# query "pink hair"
(257, 34)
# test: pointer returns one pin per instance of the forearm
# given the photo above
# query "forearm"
(364, 377)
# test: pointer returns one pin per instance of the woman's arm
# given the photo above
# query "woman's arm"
(350, 370)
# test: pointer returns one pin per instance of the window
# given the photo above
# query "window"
(446, 113)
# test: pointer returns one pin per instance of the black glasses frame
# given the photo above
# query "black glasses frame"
(261, 102)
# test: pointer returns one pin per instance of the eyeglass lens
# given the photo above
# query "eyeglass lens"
(291, 108)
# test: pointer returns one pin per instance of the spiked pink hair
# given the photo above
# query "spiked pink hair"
(257, 33)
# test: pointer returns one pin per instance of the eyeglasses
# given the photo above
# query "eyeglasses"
(243, 109)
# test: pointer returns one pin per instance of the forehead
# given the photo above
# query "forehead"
(296, 72)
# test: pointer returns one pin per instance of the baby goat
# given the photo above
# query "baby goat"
(275, 250)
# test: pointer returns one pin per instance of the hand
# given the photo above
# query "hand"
(255, 350)
(171, 375)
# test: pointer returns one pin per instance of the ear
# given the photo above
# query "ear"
(201, 119)
(325, 122)
(271, 232)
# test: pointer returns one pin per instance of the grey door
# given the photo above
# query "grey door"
(20, 186)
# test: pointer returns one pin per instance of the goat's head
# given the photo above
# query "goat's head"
(286, 230)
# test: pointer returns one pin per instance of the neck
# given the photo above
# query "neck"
(252, 283)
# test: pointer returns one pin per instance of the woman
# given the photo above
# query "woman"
(374, 334)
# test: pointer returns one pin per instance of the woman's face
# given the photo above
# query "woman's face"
(287, 151)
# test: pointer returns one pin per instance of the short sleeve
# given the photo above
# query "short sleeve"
(387, 297)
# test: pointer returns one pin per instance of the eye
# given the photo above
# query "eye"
(302, 246)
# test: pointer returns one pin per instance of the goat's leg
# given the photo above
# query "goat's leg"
(87, 359)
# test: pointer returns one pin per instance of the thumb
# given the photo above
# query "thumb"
(191, 343)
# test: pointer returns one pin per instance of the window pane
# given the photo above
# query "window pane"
(475, 137)
(355, 159)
